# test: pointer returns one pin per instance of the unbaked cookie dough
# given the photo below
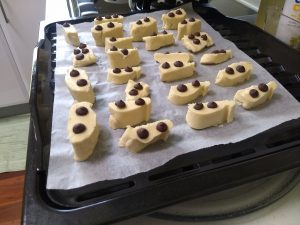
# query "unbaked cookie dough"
(108, 18)
(71, 34)
(172, 18)
(142, 28)
(135, 90)
(203, 115)
(83, 56)
(216, 57)
(137, 138)
(255, 95)
(122, 76)
(123, 42)
(184, 93)
(122, 58)
(108, 29)
(157, 41)
(176, 71)
(197, 41)
(234, 74)
(188, 26)
(131, 112)
(173, 57)
(79, 85)
(83, 130)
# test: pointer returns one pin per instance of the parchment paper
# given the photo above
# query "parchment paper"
(111, 162)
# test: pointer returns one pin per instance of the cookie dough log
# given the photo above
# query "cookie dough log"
(83, 130)
(79, 85)
(122, 58)
(122, 42)
(71, 34)
(216, 57)
(108, 29)
(203, 115)
(197, 41)
(108, 18)
(176, 71)
(172, 18)
(234, 74)
(255, 95)
(136, 90)
(122, 76)
(157, 41)
(131, 112)
(188, 26)
(83, 56)
(185, 93)
(173, 57)
(138, 138)
(142, 28)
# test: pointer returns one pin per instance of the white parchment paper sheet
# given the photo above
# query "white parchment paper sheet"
(111, 162)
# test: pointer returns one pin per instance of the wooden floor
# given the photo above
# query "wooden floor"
(11, 196)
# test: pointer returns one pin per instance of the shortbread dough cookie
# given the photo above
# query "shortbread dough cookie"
(142, 28)
(216, 57)
(184, 93)
(197, 41)
(122, 76)
(157, 41)
(123, 42)
(173, 57)
(131, 112)
(176, 71)
(135, 90)
(79, 85)
(255, 95)
(108, 29)
(172, 18)
(108, 18)
(83, 56)
(122, 58)
(234, 74)
(83, 130)
(71, 34)
(203, 115)
(188, 26)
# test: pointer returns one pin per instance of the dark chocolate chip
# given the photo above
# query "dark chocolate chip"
(76, 51)
(120, 104)
(85, 51)
(138, 86)
(191, 36)
(178, 64)
(115, 16)
(171, 14)
(183, 22)
(113, 39)
(215, 52)
(74, 73)
(212, 105)
(114, 48)
(140, 101)
(196, 83)
(165, 65)
(128, 69)
(99, 18)
(66, 24)
(117, 70)
(82, 45)
(162, 127)
(197, 34)
(240, 69)
(181, 88)
(192, 19)
(146, 19)
(79, 128)
(124, 51)
(198, 106)
(99, 28)
(133, 92)
(81, 82)
(253, 93)
(164, 32)
(222, 51)
(139, 22)
(142, 133)
(178, 12)
(107, 17)
(154, 34)
(263, 87)
(204, 37)
(229, 70)
(79, 56)
(82, 111)
(110, 25)
(196, 41)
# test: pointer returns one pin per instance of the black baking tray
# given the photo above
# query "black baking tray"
(184, 177)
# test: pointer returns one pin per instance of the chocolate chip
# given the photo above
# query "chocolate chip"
(124, 51)
(191, 36)
(165, 65)
(82, 45)
(120, 104)
(162, 127)
(197, 34)
(198, 106)
(74, 73)
(204, 37)
(139, 22)
(128, 69)
(138, 86)
(183, 22)
(140, 101)
(114, 48)
(178, 64)
(85, 51)
(115, 15)
(171, 14)
(79, 56)
(133, 92)
(113, 39)
(99, 28)
(192, 19)
(196, 83)
(253, 93)
(99, 18)
(215, 52)
(76, 51)
(212, 105)
(240, 69)
(229, 70)
(66, 24)
(222, 51)
(263, 87)
(117, 70)
(110, 25)
(81, 82)
(146, 19)
(142, 133)
(178, 12)
(107, 17)
(79, 128)
(181, 88)
(196, 41)
(154, 34)
(164, 32)
(82, 111)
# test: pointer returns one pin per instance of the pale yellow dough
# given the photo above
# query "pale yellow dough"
(85, 142)
(190, 27)
(171, 23)
(243, 98)
(215, 58)
(123, 77)
(131, 140)
(71, 35)
(123, 42)
(89, 59)
(192, 93)
(144, 92)
(119, 19)
(173, 57)
(204, 43)
(80, 94)
(145, 29)
(132, 114)
(226, 80)
(158, 41)
(118, 60)
(100, 35)
(208, 117)
(176, 73)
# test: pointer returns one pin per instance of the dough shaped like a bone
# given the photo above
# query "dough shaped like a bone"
(176, 73)
(118, 59)
(198, 42)
(172, 18)
(189, 26)
(141, 90)
(106, 31)
(123, 75)
(156, 42)
(142, 28)
(216, 58)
